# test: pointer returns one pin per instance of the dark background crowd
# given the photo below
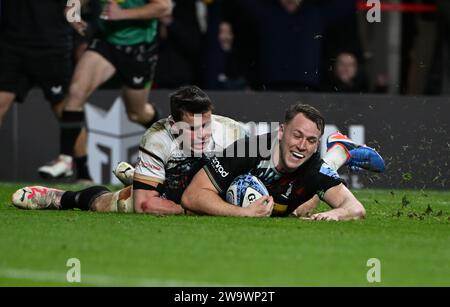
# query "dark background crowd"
(306, 45)
(299, 45)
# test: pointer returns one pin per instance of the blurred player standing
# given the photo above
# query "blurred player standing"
(35, 46)
(126, 45)
(35, 49)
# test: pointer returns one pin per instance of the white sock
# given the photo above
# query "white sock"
(336, 156)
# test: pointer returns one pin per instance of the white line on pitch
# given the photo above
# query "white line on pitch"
(97, 280)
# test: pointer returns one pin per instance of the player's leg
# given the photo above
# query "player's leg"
(91, 71)
(80, 149)
(53, 73)
(119, 201)
(95, 198)
(6, 100)
(12, 78)
(39, 197)
(136, 67)
(138, 108)
(344, 151)
(307, 208)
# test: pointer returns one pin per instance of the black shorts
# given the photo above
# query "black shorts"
(22, 68)
(135, 64)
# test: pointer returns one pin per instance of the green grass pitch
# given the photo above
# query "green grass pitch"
(407, 231)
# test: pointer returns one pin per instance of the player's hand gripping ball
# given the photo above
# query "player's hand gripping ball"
(244, 190)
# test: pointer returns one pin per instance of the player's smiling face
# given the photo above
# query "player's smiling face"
(197, 132)
(299, 140)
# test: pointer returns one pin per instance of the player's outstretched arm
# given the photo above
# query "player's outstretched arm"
(344, 203)
(307, 208)
(202, 197)
(148, 201)
(153, 10)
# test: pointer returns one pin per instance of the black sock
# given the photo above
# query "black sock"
(82, 168)
(155, 118)
(82, 199)
(71, 124)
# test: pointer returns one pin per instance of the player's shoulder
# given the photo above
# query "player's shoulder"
(326, 170)
(317, 166)
(226, 122)
(158, 135)
(225, 131)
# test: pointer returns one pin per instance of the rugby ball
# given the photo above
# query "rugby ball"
(244, 190)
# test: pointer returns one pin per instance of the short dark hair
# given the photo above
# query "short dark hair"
(190, 99)
(309, 111)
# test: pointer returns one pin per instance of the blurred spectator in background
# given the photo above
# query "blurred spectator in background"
(290, 35)
(381, 83)
(417, 47)
(245, 42)
(438, 81)
(179, 46)
(223, 69)
(346, 75)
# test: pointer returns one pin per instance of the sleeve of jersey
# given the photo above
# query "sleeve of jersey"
(222, 170)
(324, 179)
(150, 168)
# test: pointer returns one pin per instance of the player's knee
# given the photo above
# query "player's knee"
(5, 103)
(133, 116)
(167, 8)
(77, 95)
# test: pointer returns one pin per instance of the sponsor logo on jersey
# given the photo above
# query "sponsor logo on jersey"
(148, 165)
(56, 89)
(328, 171)
(218, 167)
(138, 80)
(288, 192)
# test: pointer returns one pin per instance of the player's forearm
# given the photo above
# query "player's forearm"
(153, 10)
(354, 211)
(207, 202)
(344, 203)
(348, 211)
(159, 206)
(345, 214)
(307, 208)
